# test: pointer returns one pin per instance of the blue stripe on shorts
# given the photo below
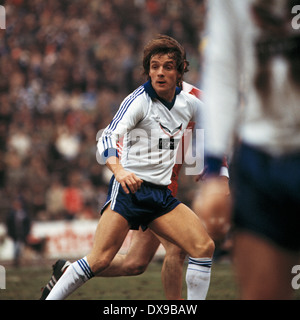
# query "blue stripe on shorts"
(140, 208)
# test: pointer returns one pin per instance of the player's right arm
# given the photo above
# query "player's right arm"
(131, 111)
(126, 178)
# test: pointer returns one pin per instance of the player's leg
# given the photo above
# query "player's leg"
(172, 270)
(212, 204)
(263, 270)
(142, 248)
(182, 227)
(110, 234)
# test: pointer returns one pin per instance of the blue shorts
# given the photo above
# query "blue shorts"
(139, 209)
(266, 195)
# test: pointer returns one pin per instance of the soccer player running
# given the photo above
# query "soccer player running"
(152, 120)
(253, 43)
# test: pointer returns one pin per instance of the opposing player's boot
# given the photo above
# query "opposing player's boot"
(59, 268)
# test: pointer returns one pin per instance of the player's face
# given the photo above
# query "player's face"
(164, 76)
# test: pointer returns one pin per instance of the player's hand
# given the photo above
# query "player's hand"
(128, 180)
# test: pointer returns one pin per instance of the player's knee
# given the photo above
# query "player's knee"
(98, 264)
(205, 249)
(208, 248)
(135, 268)
(175, 256)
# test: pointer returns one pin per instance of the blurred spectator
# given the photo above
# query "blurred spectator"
(55, 199)
(67, 143)
(73, 198)
(65, 68)
(20, 142)
(18, 227)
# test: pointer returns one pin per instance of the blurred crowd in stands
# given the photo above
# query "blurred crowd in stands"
(65, 67)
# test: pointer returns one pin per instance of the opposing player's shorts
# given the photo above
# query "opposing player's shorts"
(266, 196)
(139, 209)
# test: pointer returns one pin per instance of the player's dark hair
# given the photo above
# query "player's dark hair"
(276, 39)
(164, 44)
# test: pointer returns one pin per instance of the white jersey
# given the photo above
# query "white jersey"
(231, 65)
(152, 130)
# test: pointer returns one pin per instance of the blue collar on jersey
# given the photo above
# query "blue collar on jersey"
(152, 93)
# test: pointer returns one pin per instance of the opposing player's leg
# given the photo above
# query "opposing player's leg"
(265, 271)
(182, 227)
(212, 204)
(172, 270)
(142, 249)
(110, 234)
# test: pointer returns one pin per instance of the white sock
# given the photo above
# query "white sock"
(198, 278)
(75, 276)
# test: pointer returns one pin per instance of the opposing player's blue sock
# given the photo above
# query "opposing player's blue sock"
(198, 278)
(75, 276)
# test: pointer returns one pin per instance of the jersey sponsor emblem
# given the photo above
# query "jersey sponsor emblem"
(169, 144)
(169, 132)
